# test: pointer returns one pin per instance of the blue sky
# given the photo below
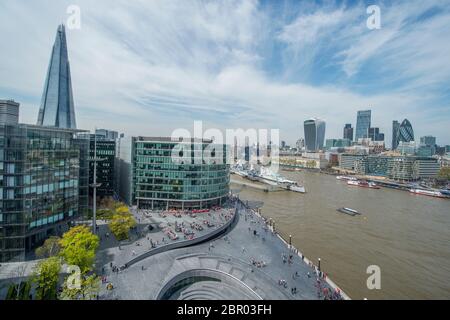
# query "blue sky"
(149, 67)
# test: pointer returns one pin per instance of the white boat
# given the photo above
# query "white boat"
(297, 188)
(346, 178)
(430, 193)
(349, 211)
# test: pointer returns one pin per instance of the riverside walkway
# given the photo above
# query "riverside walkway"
(248, 256)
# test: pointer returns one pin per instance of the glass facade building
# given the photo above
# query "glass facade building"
(106, 153)
(151, 177)
(43, 185)
(363, 122)
(57, 107)
(314, 134)
(348, 132)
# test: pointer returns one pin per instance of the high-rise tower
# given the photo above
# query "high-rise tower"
(57, 109)
(314, 134)
(363, 122)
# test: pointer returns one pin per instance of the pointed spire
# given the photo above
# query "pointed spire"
(57, 108)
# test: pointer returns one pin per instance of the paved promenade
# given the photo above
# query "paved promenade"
(250, 253)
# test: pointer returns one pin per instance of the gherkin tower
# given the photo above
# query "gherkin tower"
(57, 107)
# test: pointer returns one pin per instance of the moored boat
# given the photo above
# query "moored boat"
(430, 193)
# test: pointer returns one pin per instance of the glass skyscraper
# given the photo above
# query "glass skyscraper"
(363, 122)
(57, 107)
(348, 132)
(402, 133)
(314, 134)
(43, 185)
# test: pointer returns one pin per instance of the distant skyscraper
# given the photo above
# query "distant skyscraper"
(314, 134)
(375, 134)
(57, 108)
(9, 112)
(395, 126)
(405, 132)
(348, 132)
(363, 121)
(428, 141)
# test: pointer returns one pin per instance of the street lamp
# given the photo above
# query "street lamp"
(94, 186)
(290, 241)
(319, 264)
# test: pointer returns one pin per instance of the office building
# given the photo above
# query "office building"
(9, 112)
(107, 134)
(44, 185)
(314, 134)
(395, 127)
(403, 133)
(337, 143)
(348, 132)
(363, 122)
(106, 152)
(57, 107)
(163, 172)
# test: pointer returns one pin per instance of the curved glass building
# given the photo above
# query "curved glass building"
(405, 132)
(164, 173)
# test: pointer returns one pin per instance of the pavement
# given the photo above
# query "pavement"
(251, 253)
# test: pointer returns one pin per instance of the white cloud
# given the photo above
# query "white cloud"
(149, 67)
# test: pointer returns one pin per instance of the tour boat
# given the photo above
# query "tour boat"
(346, 178)
(430, 193)
(362, 184)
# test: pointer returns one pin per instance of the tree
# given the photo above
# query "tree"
(78, 247)
(444, 173)
(50, 248)
(46, 275)
(89, 289)
(120, 225)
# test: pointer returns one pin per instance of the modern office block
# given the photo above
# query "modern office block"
(44, 185)
(314, 134)
(9, 112)
(155, 174)
(363, 122)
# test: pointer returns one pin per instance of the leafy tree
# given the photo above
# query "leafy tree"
(120, 225)
(444, 173)
(45, 276)
(78, 247)
(122, 209)
(50, 248)
(89, 289)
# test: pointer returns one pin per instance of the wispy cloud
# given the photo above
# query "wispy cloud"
(148, 67)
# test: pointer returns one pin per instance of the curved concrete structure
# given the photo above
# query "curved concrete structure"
(249, 283)
(212, 285)
(186, 243)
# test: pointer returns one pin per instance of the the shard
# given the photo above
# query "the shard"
(57, 108)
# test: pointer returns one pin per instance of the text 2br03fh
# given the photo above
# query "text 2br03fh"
(253, 309)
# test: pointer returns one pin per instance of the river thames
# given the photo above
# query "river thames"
(406, 235)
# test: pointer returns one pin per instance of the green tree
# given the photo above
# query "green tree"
(78, 247)
(50, 248)
(45, 276)
(88, 290)
(444, 173)
(120, 225)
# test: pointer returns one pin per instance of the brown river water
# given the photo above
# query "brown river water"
(406, 235)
